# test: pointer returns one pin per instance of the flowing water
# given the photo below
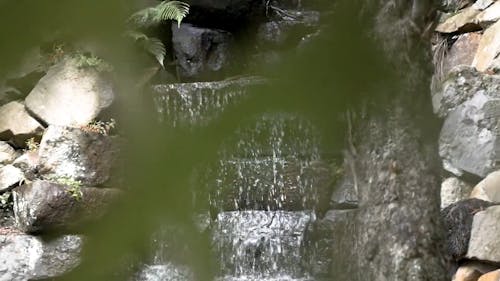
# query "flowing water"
(260, 195)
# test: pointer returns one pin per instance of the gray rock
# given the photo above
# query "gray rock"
(73, 153)
(454, 5)
(16, 125)
(345, 196)
(482, 4)
(43, 205)
(200, 51)
(24, 257)
(289, 29)
(484, 241)
(70, 95)
(328, 237)
(28, 163)
(453, 190)
(461, 84)
(7, 153)
(462, 51)
(488, 189)
(9, 176)
(468, 140)
(458, 221)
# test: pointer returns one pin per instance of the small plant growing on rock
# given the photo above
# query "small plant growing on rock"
(32, 144)
(84, 60)
(74, 187)
(4, 200)
(100, 127)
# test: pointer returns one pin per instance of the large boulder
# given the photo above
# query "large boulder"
(24, 257)
(78, 154)
(43, 205)
(16, 125)
(468, 141)
(200, 52)
(484, 241)
(70, 95)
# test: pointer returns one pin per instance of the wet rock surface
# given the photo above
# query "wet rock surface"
(200, 52)
(186, 104)
(41, 205)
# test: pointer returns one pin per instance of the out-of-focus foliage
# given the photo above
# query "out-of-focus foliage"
(337, 69)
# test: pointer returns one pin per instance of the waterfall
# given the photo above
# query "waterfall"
(261, 193)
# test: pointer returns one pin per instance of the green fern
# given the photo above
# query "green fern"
(166, 10)
(151, 44)
(151, 16)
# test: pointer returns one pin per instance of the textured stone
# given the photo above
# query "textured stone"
(462, 52)
(490, 276)
(200, 51)
(472, 270)
(16, 125)
(25, 257)
(488, 189)
(468, 140)
(484, 242)
(28, 163)
(9, 176)
(490, 15)
(454, 190)
(43, 205)
(69, 95)
(454, 5)
(464, 21)
(489, 48)
(7, 153)
(482, 4)
(288, 30)
(73, 153)
(465, 273)
(458, 221)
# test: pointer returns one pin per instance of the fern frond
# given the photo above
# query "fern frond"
(166, 10)
(152, 45)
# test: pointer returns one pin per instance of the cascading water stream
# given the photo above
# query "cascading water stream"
(262, 191)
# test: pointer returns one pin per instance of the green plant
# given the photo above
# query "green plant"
(91, 61)
(32, 144)
(100, 127)
(4, 200)
(73, 187)
(150, 17)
